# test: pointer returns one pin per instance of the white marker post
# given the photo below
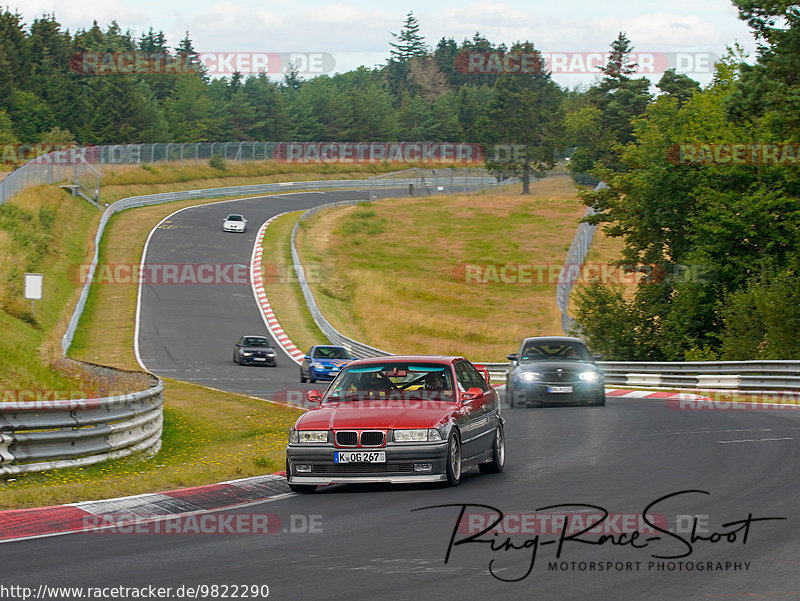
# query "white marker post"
(33, 289)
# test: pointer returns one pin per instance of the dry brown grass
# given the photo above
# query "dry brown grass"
(394, 273)
(119, 181)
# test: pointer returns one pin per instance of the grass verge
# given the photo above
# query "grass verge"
(209, 436)
(42, 230)
(420, 275)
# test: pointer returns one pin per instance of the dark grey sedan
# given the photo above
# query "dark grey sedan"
(254, 350)
(554, 370)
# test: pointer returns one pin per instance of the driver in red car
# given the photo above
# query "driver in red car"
(434, 381)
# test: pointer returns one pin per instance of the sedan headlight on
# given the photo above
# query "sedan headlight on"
(246, 354)
(589, 376)
(318, 366)
(529, 376)
(308, 436)
(419, 435)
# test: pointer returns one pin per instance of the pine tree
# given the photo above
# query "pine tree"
(272, 121)
(16, 49)
(619, 66)
(291, 79)
(190, 59)
(522, 125)
(612, 105)
(409, 43)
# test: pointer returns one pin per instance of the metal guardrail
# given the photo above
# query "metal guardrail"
(74, 164)
(576, 254)
(56, 434)
(40, 435)
(45, 435)
(356, 348)
(733, 375)
(97, 436)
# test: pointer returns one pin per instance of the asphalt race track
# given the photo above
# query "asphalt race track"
(368, 542)
(187, 332)
(372, 545)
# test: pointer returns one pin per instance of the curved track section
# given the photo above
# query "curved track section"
(187, 331)
(377, 542)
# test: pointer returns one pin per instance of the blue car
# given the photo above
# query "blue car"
(324, 362)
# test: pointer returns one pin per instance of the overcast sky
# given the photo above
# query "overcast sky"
(682, 33)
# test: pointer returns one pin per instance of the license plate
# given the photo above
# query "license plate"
(259, 359)
(359, 457)
(559, 389)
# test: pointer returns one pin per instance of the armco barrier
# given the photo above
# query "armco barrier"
(576, 254)
(37, 435)
(358, 349)
(355, 348)
(44, 435)
(75, 164)
(730, 375)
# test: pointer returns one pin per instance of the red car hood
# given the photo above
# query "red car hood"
(391, 414)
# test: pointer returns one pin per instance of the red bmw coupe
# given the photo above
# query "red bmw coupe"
(398, 419)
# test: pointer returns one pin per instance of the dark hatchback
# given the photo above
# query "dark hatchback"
(554, 370)
(254, 350)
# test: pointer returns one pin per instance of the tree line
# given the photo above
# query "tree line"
(417, 96)
(421, 93)
(705, 194)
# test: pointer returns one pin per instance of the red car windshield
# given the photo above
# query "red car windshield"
(392, 381)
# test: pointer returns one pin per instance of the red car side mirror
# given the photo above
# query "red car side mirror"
(313, 396)
(472, 393)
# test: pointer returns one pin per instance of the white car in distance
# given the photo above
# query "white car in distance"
(234, 223)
